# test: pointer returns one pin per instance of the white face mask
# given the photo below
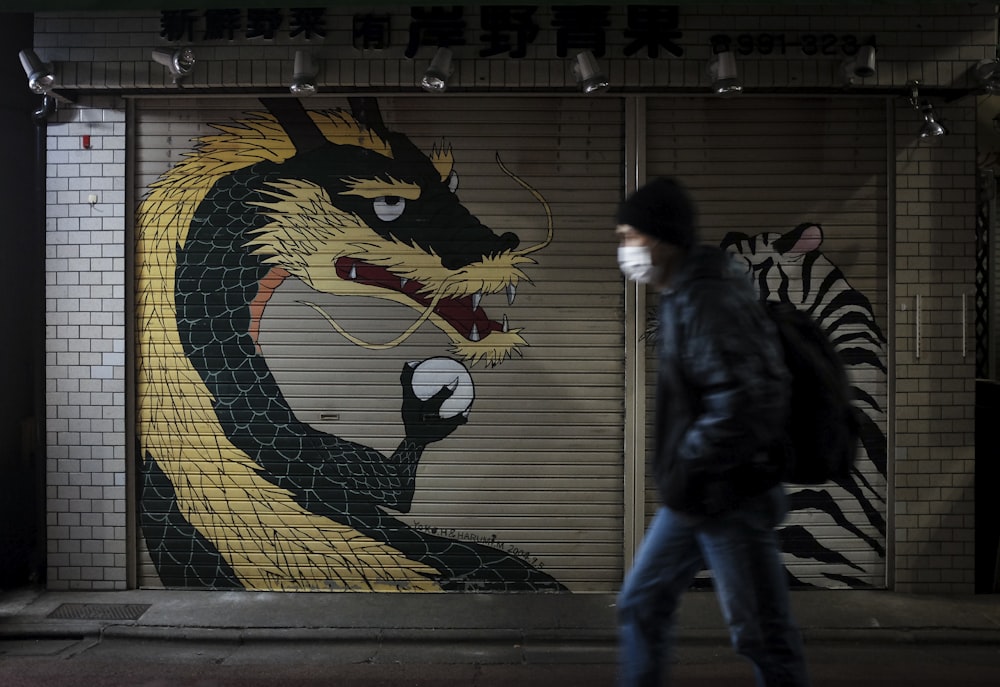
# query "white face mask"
(636, 263)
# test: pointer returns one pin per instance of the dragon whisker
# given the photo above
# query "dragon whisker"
(379, 346)
(537, 196)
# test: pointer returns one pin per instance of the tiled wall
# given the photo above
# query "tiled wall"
(85, 348)
(932, 459)
(935, 390)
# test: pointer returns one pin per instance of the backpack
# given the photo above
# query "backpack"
(820, 438)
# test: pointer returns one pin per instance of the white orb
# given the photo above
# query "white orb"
(434, 374)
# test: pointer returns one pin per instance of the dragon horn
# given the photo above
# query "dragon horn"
(367, 113)
(296, 122)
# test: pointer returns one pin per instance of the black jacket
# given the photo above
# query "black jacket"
(722, 388)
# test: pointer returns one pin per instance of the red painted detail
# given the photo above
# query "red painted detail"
(458, 312)
(266, 288)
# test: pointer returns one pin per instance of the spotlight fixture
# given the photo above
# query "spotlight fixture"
(303, 74)
(178, 62)
(861, 66)
(40, 75)
(931, 127)
(589, 76)
(722, 72)
(435, 79)
(987, 73)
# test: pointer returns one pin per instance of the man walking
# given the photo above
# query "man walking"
(721, 398)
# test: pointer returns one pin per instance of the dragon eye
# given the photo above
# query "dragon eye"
(389, 208)
(452, 182)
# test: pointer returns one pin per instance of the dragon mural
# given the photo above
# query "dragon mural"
(236, 491)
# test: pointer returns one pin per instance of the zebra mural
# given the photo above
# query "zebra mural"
(835, 533)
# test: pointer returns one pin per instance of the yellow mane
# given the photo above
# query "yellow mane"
(268, 539)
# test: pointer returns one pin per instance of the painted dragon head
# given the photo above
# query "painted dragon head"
(359, 210)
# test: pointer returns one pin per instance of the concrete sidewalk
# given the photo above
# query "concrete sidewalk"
(510, 619)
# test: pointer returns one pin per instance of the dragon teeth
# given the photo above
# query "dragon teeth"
(474, 334)
(506, 324)
(477, 298)
(511, 292)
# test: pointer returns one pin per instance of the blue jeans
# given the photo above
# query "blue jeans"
(741, 549)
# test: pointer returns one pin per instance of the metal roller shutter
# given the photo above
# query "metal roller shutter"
(270, 427)
(768, 166)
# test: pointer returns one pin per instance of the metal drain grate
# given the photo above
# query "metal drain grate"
(99, 611)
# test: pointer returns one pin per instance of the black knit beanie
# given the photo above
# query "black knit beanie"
(662, 209)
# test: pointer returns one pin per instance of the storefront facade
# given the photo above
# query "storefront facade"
(376, 338)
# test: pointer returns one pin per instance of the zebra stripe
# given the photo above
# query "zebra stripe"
(835, 534)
